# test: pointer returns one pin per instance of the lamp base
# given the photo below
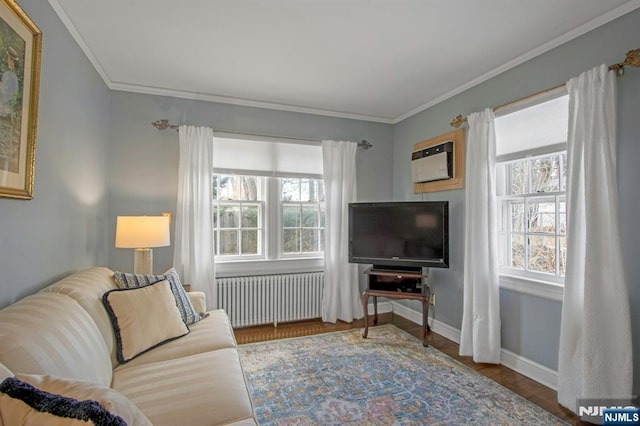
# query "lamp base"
(143, 261)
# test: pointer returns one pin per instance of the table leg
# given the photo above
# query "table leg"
(365, 307)
(425, 323)
(375, 310)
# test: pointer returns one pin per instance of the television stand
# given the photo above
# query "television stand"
(395, 284)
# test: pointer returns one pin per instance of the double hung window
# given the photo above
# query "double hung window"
(531, 179)
(268, 201)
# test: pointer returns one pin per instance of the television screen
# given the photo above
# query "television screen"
(399, 234)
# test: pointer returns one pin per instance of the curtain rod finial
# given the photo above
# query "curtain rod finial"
(163, 124)
(365, 144)
(457, 122)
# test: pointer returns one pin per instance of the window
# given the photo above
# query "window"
(302, 202)
(268, 205)
(533, 225)
(531, 187)
(241, 221)
(238, 215)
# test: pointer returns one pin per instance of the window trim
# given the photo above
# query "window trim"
(534, 287)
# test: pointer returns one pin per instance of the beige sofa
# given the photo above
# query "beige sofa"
(65, 331)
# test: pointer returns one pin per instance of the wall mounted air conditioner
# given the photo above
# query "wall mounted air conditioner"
(432, 163)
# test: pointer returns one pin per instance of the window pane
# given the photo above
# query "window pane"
(249, 242)
(320, 184)
(229, 216)
(321, 241)
(519, 177)
(236, 187)
(309, 240)
(311, 190)
(216, 180)
(228, 242)
(545, 174)
(291, 216)
(215, 216)
(308, 190)
(215, 243)
(290, 189)
(562, 217)
(291, 240)
(248, 188)
(562, 242)
(517, 251)
(542, 216)
(517, 216)
(542, 254)
(310, 217)
(250, 216)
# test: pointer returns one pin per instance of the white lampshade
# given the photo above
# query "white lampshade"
(142, 231)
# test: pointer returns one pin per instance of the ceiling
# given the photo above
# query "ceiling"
(377, 60)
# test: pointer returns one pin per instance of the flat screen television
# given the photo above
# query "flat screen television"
(399, 235)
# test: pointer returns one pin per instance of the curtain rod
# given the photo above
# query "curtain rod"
(632, 59)
(164, 124)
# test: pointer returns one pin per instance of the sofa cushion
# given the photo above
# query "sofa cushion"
(211, 386)
(189, 315)
(213, 332)
(113, 401)
(143, 318)
(23, 404)
(87, 287)
(49, 333)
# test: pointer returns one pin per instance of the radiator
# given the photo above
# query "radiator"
(266, 299)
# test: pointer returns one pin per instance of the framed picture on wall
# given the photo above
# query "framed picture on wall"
(20, 49)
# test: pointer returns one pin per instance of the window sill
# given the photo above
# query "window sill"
(533, 287)
(238, 268)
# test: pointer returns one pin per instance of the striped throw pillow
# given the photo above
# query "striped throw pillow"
(187, 312)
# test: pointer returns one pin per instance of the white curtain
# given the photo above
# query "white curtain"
(193, 251)
(341, 299)
(480, 333)
(595, 359)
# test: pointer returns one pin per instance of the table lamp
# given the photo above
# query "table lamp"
(141, 233)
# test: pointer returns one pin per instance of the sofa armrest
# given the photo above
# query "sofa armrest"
(198, 300)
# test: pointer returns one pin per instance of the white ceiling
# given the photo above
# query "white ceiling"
(378, 60)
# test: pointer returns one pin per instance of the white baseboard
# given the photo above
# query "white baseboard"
(533, 370)
(445, 330)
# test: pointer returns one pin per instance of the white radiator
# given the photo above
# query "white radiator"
(265, 299)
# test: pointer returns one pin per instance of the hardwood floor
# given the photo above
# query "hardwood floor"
(522, 385)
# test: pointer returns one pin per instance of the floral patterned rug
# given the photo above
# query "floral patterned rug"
(387, 379)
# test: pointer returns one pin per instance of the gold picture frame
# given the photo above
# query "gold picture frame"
(20, 51)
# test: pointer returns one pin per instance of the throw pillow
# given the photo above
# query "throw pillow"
(113, 401)
(128, 280)
(143, 318)
(23, 404)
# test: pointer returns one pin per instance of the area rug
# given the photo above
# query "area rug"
(387, 379)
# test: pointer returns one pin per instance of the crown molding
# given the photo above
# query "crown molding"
(570, 35)
(57, 7)
(124, 87)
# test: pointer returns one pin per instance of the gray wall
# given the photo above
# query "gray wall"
(143, 174)
(530, 325)
(64, 227)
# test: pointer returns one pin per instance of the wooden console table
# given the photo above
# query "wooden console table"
(395, 284)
